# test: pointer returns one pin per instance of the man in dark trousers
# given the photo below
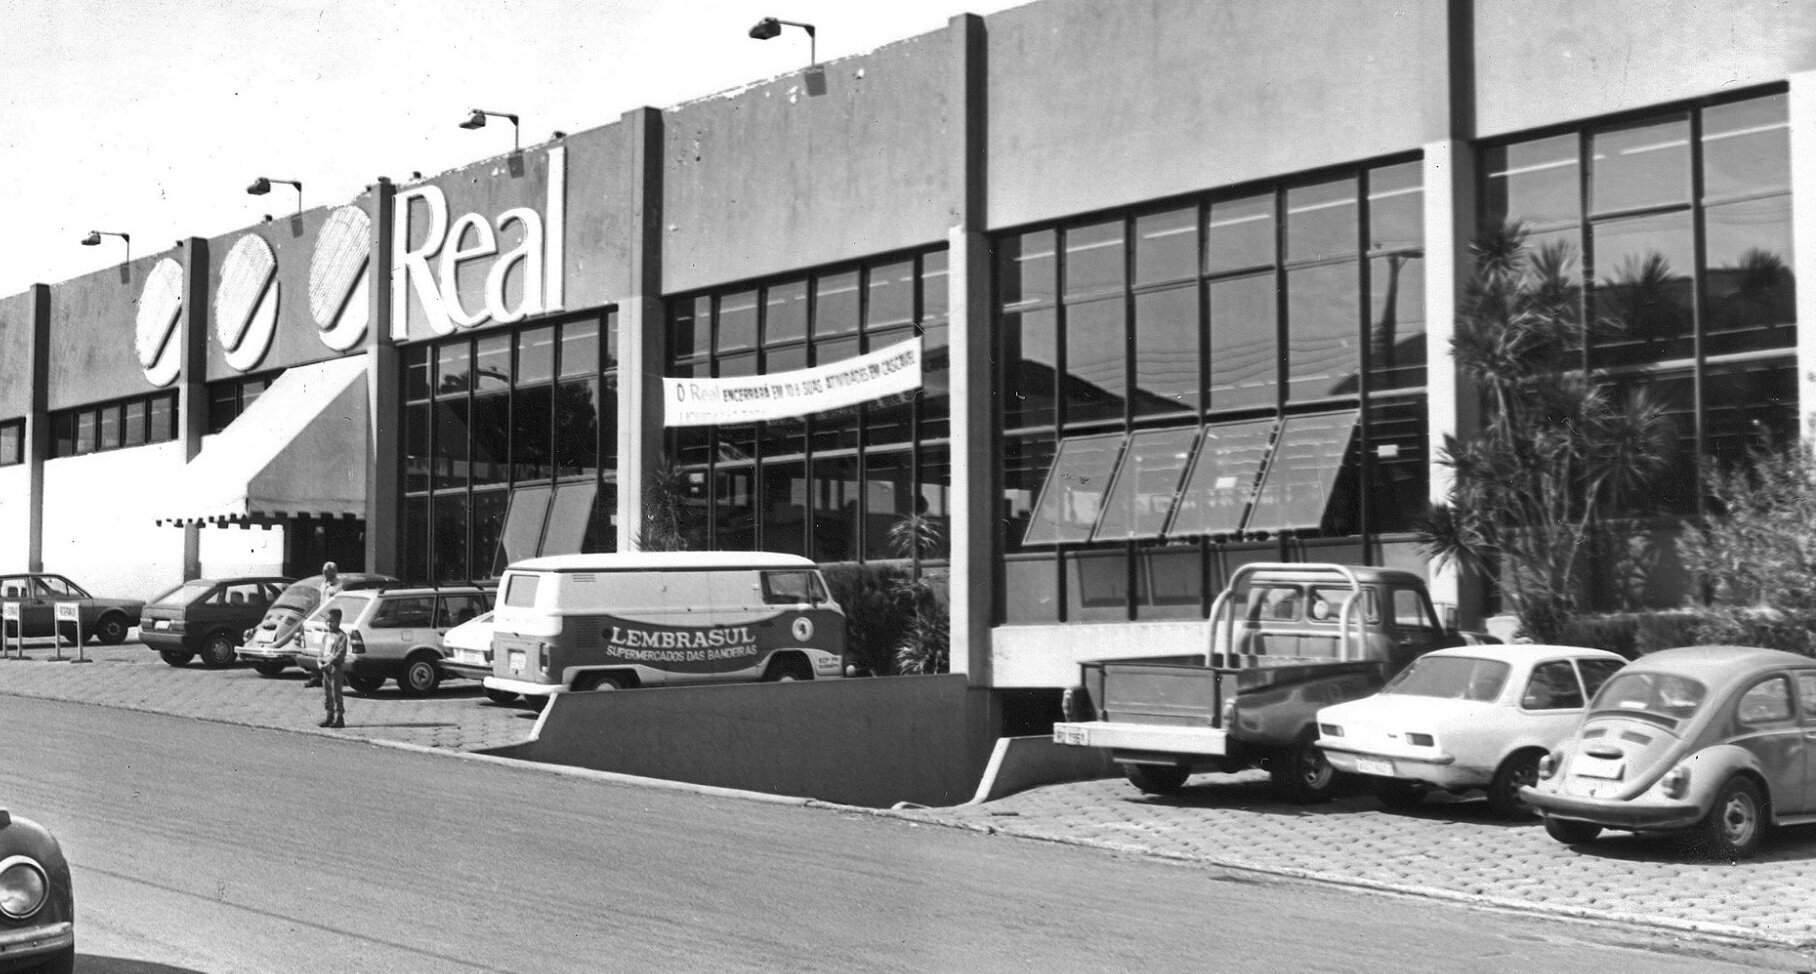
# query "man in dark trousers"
(331, 586)
(333, 659)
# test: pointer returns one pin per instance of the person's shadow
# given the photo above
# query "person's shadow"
(91, 964)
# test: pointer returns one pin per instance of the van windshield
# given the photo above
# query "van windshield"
(520, 590)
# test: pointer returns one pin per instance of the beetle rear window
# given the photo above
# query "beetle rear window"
(1451, 678)
(1665, 695)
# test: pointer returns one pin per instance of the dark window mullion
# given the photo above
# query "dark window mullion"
(1364, 313)
(1699, 268)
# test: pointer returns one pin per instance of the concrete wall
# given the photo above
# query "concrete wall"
(98, 529)
(798, 172)
(1541, 62)
(93, 322)
(292, 239)
(1094, 104)
(870, 742)
(15, 355)
(230, 550)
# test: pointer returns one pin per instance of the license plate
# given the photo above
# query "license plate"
(1071, 735)
(1594, 767)
(468, 656)
(1372, 766)
(517, 661)
(161, 624)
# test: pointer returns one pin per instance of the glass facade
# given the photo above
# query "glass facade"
(1213, 379)
(229, 398)
(114, 426)
(830, 485)
(1678, 227)
(509, 448)
(12, 443)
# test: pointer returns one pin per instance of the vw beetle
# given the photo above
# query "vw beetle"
(37, 904)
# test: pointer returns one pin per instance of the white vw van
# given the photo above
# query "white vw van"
(616, 621)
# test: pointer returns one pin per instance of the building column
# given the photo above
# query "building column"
(641, 325)
(192, 383)
(1803, 239)
(384, 385)
(37, 427)
(1450, 208)
(976, 567)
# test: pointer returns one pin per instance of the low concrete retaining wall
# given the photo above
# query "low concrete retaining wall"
(1020, 763)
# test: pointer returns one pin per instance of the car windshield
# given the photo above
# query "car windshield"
(1657, 695)
(1451, 677)
(185, 593)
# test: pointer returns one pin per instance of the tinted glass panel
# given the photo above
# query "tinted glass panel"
(889, 295)
(492, 364)
(531, 411)
(1073, 494)
(1094, 259)
(489, 508)
(577, 428)
(1750, 286)
(1746, 148)
(450, 528)
(738, 321)
(161, 419)
(110, 427)
(1147, 481)
(1749, 406)
(1166, 246)
(1031, 352)
(1244, 343)
(888, 497)
(785, 312)
(1296, 489)
(453, 368)
(568, 518)
(416, 373)
(1222, 478)
(1240, 234)
(835, 304)
(1396, 322)
(934, 284)
(1166, 351)
(416, 448)
(134, 432)
(1396, 207)
(1639, 166)
(1026, 462)
(579, 349)
(1399, 492)
(490, 424)
(1536, 182)
(1321, 220)
(1026, 268)
(535, 355)
(1322, 357)
(835, 490)
(1643, 270)
(451, 443)
(86, 421)
(1096, 380)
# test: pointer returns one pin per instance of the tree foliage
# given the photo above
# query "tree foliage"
(1558, 453)
(1756, 550)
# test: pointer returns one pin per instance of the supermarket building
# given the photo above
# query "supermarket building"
(1116, 296)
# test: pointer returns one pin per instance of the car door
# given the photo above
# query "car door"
(1411, 625)
(1806, 697)
(1767, 724)
(40, 607)
(15, 590)
(1552, 700)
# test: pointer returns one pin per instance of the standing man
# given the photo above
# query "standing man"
(331, 586)
(333, 659)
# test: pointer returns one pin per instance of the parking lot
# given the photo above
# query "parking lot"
(1452, 850)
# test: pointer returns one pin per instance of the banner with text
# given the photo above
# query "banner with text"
(780, 395)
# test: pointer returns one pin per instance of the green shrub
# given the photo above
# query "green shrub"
(1634, 634)
(875, 613)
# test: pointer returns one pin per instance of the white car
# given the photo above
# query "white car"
(468, 653)
(1466, 718)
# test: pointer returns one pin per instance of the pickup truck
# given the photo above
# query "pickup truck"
(1282, 641)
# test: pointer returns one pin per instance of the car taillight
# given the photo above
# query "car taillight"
(1548, 765)
(1420, 740)
(357, 643)
(1676, 782)
(542, 657)
(1330, 730)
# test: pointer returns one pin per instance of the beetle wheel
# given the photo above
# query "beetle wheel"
(1570, 831)
(1735, 824)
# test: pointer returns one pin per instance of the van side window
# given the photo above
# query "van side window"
(789, 588)
(520, 590)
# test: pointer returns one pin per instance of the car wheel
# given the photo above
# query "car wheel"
(420, 676)
(1301, 772)
(220, 650)
(1156, 779)
(788, 669)
(365, 684)
(176, 657)
(500, 696)
(111, 629)
(269, 669)
(1571, 832)
(1735, 824)
(600, 681)
(1519, 770)
(1399, 793)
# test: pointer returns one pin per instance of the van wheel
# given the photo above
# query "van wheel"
(1301, 772)
(500, 696)
(601, 681)
(269, 670)
(788, 669)
(1156, 779)
(175, 657)
(219, 650)
(420, 676)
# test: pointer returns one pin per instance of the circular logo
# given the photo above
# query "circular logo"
(803, 629)
(338, 282)
(245, 305)
(159, 305)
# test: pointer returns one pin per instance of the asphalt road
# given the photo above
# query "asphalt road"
(202, 847)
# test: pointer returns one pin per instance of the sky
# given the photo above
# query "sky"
(150, 117)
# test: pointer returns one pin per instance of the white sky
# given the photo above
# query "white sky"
(150, 117)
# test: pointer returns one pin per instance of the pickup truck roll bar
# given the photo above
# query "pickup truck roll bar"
(1348, 617)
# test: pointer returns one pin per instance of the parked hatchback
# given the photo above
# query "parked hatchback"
(272, 645)
(1710, 741)
(206, 617)
(395, 633)
(104, 620)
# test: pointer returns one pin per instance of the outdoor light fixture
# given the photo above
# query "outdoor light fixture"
(94, 240)
(770, 27)
(262, 185)
(477, 120)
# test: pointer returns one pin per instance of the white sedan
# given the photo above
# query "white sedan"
(1466, 718)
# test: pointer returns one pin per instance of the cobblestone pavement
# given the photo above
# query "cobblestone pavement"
(1447, 849)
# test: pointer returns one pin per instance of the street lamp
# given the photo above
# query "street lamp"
(94, 240)
(262, 185)
(477, 120)
(770, 27)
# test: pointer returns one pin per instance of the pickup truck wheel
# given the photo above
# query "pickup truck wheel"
(1520, 769)
(1156, 779)
(218, 651)
(1735, 824)
(175, 657)
(1570, 832)
(365, 684)
(269, 669)
(1302, 773)
(1399, 793)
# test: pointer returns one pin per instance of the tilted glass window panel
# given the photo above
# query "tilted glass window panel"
(1535, 182)
(1749, 284)
(1323, 331)
(488, 508)
(1637, 166)
(1396, 206)
(1746, 148)
(1166, 246)
(1147, 484)
(1245, 362)
(523, 525)
(568, 518)
(1396, 341)
(835, 304)
(1027, 460)
(1094, 259)
(1301, 471)
(1321, 220)
(1239, 234)
(1222, 480)
(1166, 351)
(1644, 296)
(784, 313)
(1072, 496)
(1097, 363)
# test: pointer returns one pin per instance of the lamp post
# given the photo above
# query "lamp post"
(262, 185)
(770, 27)
(94, 240)
(477, 120)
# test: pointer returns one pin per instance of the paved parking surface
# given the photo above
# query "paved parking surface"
(1446, 849)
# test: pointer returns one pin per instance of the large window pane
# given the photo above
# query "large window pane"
(1750, 286)
(889, 295)
(416, 373)
(1222, 479)
(1166, 246)
(580, 349)
(491, 439)
(451, 466)
(416, 447)
(888, 498)
(1031, 357)
(569, 518)
(1302, 471)
(453, 368)
(737, 321)
(1535, 182)
(785, 313)
(1073, 494)
(1675, 489)
(1026, 461)
(835, 304)
(1751, 406)
(835, 490)
(1166, 351)
(451, 564)
(784, 524)
(111, 420)
(1026, 269)
(535, 355)
(492, 364)
(1244, 342)
(1399, 488)
(523, 526)
(86, 422)
(1746, 148)
(1396, 206)
(531, 409)
(933, 496)
(161, 419)
(1396, 322)
(1097, 348)
(489, 507)
(1321, 327)
(1094, 260)
(1639, 166)
(577, 428)
(1644, 295)
(734, 507)
(1240, 234)
(413, 565)
(1147, 481)
(690, 333)
(1321, 220)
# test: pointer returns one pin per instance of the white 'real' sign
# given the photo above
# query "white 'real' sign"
(779, 395)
